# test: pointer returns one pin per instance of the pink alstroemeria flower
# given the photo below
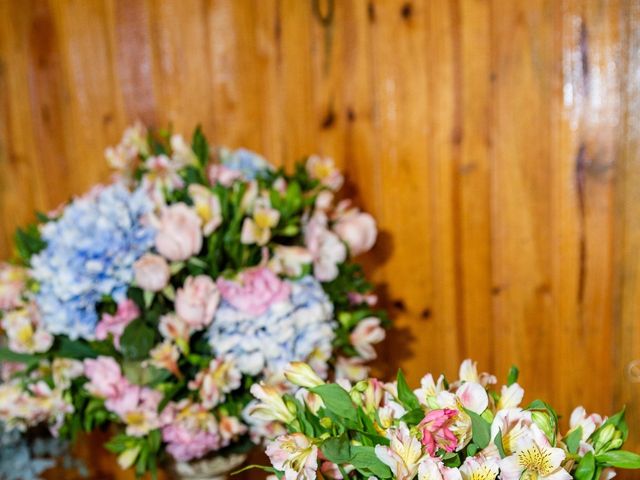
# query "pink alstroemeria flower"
(436, 432)
(255, 290)
(116, 324)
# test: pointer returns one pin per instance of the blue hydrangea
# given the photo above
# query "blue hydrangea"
(23, 458)
(90, 253)
(248, 163)
(290, 330)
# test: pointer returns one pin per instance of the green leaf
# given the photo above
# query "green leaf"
(200, 146)
(619, 459)
(617, 421)
(586, 468)
(499, 445)
(337, 449)
(137, 340)
(10, 356)
(481, 429)
(365, 460)
(451, 460)
(512, 377)
(573, 440)
(405, 395)
(77, 349)
(337, 400)
(413, 417)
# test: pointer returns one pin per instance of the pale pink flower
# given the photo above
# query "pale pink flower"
(219, 378)
(190, 431)
(230, 428)
(511, 423)
(207, 206)
(64, 370)
(151, 272)
(324, 200)
(290, 261)
(25, 331)
(165, 355)
(104, 376)
(142, 417)
(352, 369)
(161, 174)
(12, 284)
(356, 298)
(330, 470)
(436, 431)
(116, 324)
(434, 469)
(225, 176)
(327, 250)
(358, 230)
(324, 170)
(473, 397)
(172, 327)
(295, 455)
(510, 397)
(429, 388)
(197, 301)
(588, 424)
(255, 290)
(179, 232)
(367, 333)
(132, 144)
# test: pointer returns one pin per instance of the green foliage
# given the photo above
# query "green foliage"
(405, 394)
(481, 429)
(28, 242)
(512, 377)
(336, 400)
(137, 340)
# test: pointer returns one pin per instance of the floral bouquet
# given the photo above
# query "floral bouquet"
(154, 303)
(464, 430)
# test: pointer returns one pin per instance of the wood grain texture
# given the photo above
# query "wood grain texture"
(496, 142)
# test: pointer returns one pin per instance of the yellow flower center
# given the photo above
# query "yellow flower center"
(135, 419)
(203, 209)
(263, 219)
(483, 473)
(25, 334)
(323, 170)
(535, 461)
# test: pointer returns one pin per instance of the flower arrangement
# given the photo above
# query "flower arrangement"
(463, 430)
(154, 303)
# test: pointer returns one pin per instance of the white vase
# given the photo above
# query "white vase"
(218, 467)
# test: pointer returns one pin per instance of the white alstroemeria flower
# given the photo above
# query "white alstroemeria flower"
(271, 406)
(181, 152)
(513, 424)
(479, 468)
(403, 455)
(429, 389)
(588, 424)
(294, 455)
(257, 229)
(434, 469)
(207, 206)
(510, 397)
(469, 373)
(367, 333)
(473, 396)
(534, 457)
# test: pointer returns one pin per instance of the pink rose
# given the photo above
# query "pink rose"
(152, 272)
(179, 233)
(255, 291)
(116, 324)
(197, 301)
(358, 230)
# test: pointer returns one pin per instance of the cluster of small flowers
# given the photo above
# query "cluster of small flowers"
(41, 401)
(90, 252)
(457, 431)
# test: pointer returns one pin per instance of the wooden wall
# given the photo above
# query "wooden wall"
(496, 142)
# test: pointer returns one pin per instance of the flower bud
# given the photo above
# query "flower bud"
(545, 422)
(127, 458)
(326, 422)
(301, 374)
